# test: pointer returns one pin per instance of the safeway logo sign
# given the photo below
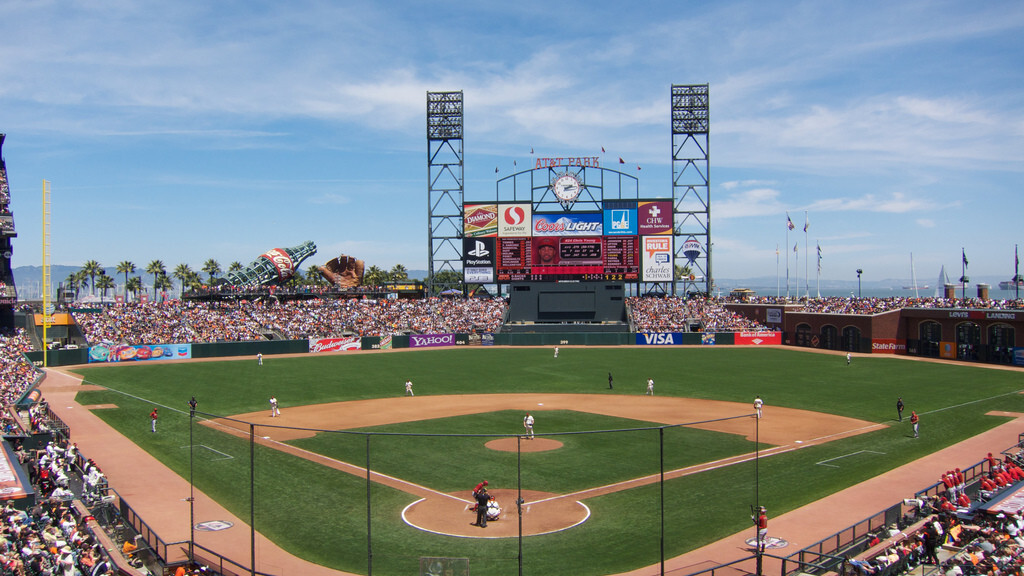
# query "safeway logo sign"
(659, 339)
(515, 220)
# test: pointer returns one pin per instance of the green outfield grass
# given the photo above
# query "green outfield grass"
(624, 533)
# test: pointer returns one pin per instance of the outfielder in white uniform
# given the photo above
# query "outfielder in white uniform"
(650, 387)
(556, 351)
(528, 424)
(408, 388)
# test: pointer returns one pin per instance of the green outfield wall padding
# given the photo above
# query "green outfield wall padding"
(265, 347)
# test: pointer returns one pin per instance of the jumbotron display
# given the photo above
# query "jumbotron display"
(628, 240)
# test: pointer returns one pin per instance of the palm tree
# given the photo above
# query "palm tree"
(126, 267)
(161, 282)
(211, 267)
(133, 286)
(192, 282)
(398, 273)
(157, 269)
(235, 266)
(92, 269)
(73, 282)
(104, 283)
(374, 276)
(183, 272)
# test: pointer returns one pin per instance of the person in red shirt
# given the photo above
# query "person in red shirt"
(153, 417)
(914, 420)
(761, 520)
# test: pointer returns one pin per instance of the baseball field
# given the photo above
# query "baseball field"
(613, 480)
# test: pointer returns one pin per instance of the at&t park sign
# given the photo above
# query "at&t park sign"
(589, 162)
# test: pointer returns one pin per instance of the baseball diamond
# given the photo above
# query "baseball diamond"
(606, 464)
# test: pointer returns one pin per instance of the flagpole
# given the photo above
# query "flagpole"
(777, 280)
(817, 276)
(963, 274)
(1016, 271)
(807, 258)
(787, 256)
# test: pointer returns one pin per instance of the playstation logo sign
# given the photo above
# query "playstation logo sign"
(479, 250)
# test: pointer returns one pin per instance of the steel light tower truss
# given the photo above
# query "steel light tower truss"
(445, 190)
(691, 185)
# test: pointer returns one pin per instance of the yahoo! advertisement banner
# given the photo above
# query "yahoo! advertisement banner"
(427, 340)
(758, 339)
(561, 224)
(335, 344)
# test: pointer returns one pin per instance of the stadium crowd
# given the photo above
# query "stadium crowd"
(841, 305)
(16, 372)
(672, 314)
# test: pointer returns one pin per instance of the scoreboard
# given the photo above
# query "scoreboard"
(626, 241)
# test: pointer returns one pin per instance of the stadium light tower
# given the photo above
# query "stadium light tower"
(691, 184)
(445, 190)
(859, 272)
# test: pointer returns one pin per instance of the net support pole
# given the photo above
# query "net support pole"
(252, 499)
(369, 541)
(661, 485)
(519, 496)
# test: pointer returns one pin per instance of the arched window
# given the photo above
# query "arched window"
(851, 339)
(803, 334)
(1000, 343)
(829, 337)
(929, 335)
(968, 341)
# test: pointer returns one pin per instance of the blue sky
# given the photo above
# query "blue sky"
(184, 131)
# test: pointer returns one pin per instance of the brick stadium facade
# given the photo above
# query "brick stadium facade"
(972, 335)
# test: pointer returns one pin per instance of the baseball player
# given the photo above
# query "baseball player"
(758, 403)
(528, 424)
(408, 388)
(762, 528)
(556, 351)
(914, 420)
(610, 387)
(650, 387)
(899, 408)
(259, 358)
(152, 419)
(192, 407)
(848, 356)
(273, 407)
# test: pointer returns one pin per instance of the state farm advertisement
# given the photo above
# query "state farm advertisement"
(335, 344)
(888, 346)
(426, 340)
(757, 338)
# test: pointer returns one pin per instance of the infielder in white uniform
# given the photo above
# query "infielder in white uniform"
(273, 407)
(758, 403)
(528, 424)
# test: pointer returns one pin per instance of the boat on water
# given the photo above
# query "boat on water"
(1011, 285)
(925, 287)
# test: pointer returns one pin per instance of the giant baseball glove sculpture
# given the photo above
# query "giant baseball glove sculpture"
(343, 271)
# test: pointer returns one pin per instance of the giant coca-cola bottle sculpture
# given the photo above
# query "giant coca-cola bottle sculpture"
(273, 266)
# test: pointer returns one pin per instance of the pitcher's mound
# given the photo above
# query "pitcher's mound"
(514, 444)
(450, 514)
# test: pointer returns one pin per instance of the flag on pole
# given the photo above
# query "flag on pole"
(531, 149)
(819, 257)
(776, 249)
(964, 254)
(795, 248)
(495, 169)
(807, 223)
(789, 222)
(602, 149)
(621, 161)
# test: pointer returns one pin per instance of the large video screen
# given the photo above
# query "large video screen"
(510, 243)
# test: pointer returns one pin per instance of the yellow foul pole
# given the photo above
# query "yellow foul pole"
(48, 306)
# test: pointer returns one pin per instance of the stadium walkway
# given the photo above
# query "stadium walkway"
(159, 495)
